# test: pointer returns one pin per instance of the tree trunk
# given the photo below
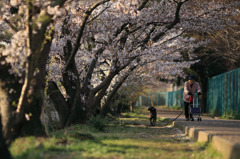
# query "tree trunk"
(71, 110)
(101, 88)
(7, 99)
(106, 106)
(131, 106)
(25, 118)
(59, 102)
(33, 100)
(76, 113)
(4, 153)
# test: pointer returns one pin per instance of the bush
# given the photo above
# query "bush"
(97, 122)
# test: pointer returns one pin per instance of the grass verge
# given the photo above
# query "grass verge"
(127, 137)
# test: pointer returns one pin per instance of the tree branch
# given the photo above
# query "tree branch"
(114, 90)
(77, 43)
(97, 15)
(144, 3)
(91, 68)
(171, 25)
(10, 25)
(59, 102)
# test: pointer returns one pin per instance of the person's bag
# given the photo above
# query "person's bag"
(191, 99)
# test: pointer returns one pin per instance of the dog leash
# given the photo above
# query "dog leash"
(174, 119)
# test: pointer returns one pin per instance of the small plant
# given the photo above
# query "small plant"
(236, 115)
(212, 112)
(97, 122)
(227, 114)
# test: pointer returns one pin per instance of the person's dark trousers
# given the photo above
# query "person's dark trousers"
(187, 110)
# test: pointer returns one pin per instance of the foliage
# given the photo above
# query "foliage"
(228, 115)
(98, 122)
(231, 115)
(236, 116)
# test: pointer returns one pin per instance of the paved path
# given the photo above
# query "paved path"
(224, 134)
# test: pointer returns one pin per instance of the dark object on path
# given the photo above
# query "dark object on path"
(153, 115)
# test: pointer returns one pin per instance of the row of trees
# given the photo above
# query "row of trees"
(87, 51)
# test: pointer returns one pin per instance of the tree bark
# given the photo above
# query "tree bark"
(25, 118)
(4, 153)
(7, 100)
(91, 69)
(59, 102)
(77, 112)
(91, 101)
(106, 106)
(131, 106)
(33, 100)
(69, 81)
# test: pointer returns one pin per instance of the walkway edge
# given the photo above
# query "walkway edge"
(229, 149)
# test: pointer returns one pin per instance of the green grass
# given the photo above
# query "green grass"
(127, 137)
(227, 115)
(176, 108)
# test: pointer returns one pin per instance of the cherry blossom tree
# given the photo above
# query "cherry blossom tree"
(104, 54)
(94, 48)
(107, 42)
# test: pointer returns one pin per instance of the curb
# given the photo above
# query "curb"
(229, 149)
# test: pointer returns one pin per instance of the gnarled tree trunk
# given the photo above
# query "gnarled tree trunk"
(21, 106)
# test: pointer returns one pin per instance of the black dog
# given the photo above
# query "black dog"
(153, 115)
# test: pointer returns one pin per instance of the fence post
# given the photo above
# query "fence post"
(148, 100)
(238, 109)
(235, 93)
(140, 100)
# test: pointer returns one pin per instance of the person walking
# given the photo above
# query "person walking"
(191, 87)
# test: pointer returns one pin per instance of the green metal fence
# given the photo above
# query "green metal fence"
(159, 98)
(172, 98)
(223, 96)
(175, 98)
